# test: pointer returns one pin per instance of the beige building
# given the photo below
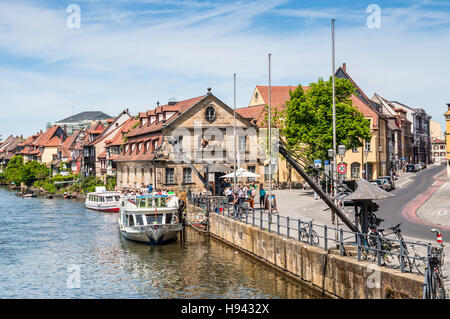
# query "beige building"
(436, 131)
(204, 127)
(256, 112)
(447, 137)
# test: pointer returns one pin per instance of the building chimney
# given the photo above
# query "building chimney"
(157, 103)
(448, 105)
(344, 67)
(209, 91)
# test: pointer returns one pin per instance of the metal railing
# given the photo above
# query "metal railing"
(383, 251)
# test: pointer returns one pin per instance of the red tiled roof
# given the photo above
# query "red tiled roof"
(137, 155)
(437, 141)
(49, 139)
(252, 113)
(124, 128)
(365, 110)
(179, 107)
(102, 154)
(279, 95)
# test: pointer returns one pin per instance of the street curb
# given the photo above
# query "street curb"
(410, 211)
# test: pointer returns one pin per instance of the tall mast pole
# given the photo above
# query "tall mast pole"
(334, 122)
(234, 133)
(270, 142)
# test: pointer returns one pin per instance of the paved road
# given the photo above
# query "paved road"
(391, 208)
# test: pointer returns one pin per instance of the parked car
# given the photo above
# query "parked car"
(390, 180)
(418, 167)
(411, 168)
(381, 183)
(387, 186)
(424, 165)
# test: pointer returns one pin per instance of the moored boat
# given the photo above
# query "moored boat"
(103, 200)
(151, 219)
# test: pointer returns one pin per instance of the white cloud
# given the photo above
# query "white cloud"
(136, 64)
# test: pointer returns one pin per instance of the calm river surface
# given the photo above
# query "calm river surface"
(43, 242)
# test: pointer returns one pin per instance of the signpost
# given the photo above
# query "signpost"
(342, 168)
(318, 163)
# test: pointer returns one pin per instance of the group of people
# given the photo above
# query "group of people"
(243, 193)
(145, 190)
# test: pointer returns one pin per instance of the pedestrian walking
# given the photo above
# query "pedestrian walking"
(236, 204)
(262, 196)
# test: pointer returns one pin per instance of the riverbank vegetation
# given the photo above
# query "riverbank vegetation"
(38, 175)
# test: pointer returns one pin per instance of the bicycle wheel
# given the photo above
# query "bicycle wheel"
(390, 260)
(419, 264)
(304, 235)
(438, 290)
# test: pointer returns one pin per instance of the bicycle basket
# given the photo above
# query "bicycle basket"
(434, 262)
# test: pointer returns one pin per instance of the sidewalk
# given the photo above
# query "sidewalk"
(436, 209)
(404, 178)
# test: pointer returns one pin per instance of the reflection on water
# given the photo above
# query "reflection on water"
(41, 238)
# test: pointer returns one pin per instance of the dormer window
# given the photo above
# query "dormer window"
(144, 121)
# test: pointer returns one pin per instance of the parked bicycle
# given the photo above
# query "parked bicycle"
(434, 274)
(305, 232)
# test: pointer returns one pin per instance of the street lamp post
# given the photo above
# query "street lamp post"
(341, 151)
(366, 152)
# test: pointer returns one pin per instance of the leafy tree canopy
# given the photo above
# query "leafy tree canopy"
(309, 119)
(14, 170)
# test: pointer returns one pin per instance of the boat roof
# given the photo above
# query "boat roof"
(149, 196)
(104, 193)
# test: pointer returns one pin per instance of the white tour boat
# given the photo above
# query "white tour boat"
(151, 219)
(103, 200)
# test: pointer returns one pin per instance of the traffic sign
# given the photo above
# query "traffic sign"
(318, 163)
(342, 168)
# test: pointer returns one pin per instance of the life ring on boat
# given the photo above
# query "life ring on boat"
(175, 219)
(201, 217)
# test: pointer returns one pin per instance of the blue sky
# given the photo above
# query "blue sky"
(131, 54)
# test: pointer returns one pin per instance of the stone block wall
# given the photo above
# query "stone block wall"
(336, 276)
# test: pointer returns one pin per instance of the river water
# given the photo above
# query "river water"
(55, 248)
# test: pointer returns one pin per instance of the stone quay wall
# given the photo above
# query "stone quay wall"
(336, 276)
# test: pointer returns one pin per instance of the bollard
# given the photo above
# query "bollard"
(325, 236)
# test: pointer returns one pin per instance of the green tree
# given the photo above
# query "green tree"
(309, 119)
(33, 171)
(15, 169)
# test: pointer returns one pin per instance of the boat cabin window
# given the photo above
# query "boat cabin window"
(169, 218)
(130, 220)
(117, 198)
(109, 198)
(161, 201)
(151, 219)
(139, 220)
(144, 202)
